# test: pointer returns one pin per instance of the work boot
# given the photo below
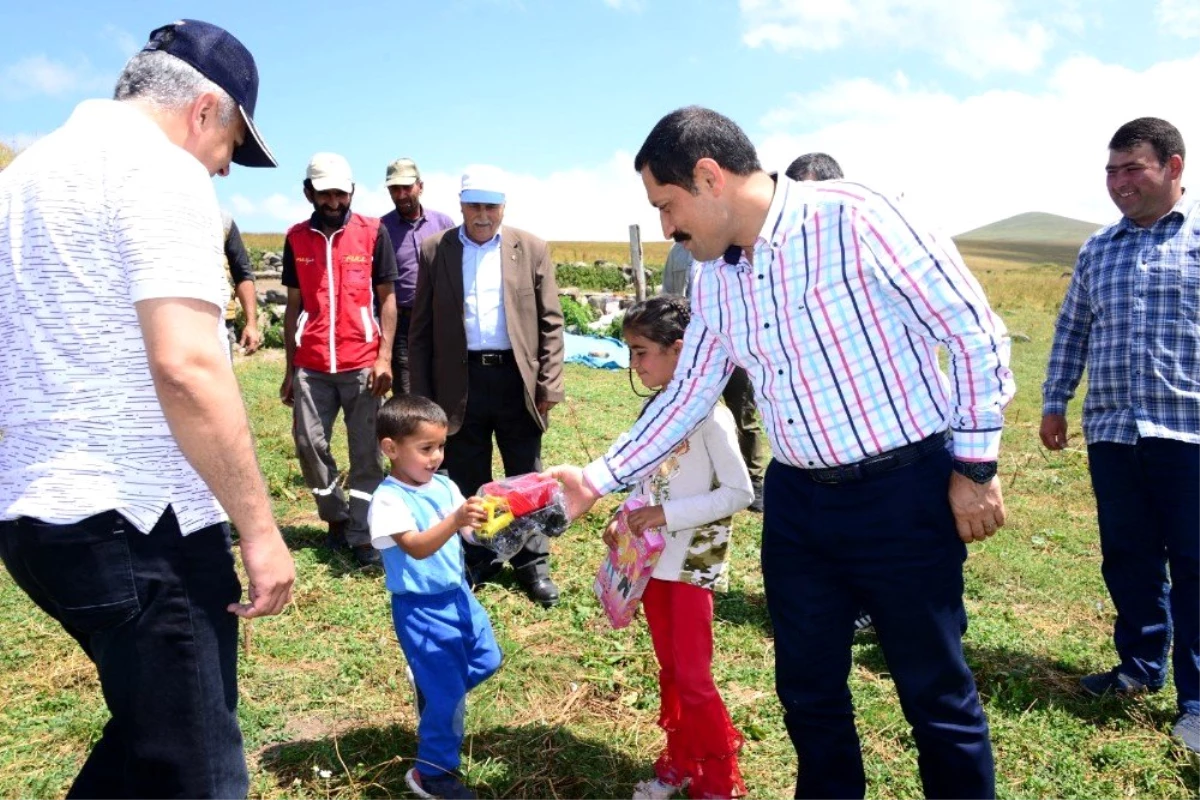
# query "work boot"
(335, 538)
(367, 556)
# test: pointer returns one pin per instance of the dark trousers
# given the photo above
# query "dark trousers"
(496, 406)
(739, 399)
(149, 611)
(400, 375)
(886, 544)
(1148, 503)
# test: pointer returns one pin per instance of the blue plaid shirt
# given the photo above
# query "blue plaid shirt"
(1130, 315)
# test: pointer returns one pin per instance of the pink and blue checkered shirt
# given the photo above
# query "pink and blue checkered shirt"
(837, 318)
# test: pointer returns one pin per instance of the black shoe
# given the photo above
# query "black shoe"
(367, 556)
(335, 539)
(542, 591)
(1187, 730)
(481, 574)
(1114, 682)
(756, 504)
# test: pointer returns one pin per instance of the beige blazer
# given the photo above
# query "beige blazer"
(437, 337)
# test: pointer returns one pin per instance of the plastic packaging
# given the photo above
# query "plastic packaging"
(519, 507)
(623, 575)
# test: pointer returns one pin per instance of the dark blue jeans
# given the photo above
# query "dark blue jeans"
(149, 610)
(886, 544)
(1148, 504)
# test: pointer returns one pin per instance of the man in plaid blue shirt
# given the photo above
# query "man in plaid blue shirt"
(1131, 317)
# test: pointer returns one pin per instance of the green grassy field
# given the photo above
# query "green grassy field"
(327, 712)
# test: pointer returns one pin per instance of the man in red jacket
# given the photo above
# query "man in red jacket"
(338, 267)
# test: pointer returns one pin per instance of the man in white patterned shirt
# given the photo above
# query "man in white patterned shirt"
(835, 304)
(123, 438)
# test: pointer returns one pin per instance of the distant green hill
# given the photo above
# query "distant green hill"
(1034, 227)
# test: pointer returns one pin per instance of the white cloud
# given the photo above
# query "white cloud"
(960, 162)
(965, 162)
(589, 203)
(977, 38)
(1179, 17)
(277, 209)
(122, 40)
(624, 5)
(39, 75)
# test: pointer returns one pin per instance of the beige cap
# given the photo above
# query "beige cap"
(402, 172)
(328, 171)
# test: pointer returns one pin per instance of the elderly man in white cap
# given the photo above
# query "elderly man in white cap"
(338, 267)
(486, 344)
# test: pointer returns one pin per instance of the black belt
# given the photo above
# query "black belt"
(876, 465)
(490, 358)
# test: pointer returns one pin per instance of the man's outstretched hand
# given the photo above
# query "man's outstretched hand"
(578, 492)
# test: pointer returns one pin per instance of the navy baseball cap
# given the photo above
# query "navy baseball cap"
(225, 61)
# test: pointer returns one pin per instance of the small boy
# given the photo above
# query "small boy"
(415, 518)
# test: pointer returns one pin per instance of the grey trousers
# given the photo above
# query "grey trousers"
(319, 396)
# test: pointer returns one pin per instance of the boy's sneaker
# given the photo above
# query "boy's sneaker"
(418, 698)
(446, 785)
(862, 622)
(655, 789)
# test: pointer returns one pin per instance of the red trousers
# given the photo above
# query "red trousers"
(702, 744)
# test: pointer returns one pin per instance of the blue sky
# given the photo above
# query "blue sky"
(973, 110)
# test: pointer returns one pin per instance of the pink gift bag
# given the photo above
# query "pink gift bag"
(623, 575)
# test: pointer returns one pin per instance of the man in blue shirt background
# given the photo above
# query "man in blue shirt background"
(1131, 317)
(408, 226)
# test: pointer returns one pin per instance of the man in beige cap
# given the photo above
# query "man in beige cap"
(338, 267)
(487, 346)
(409, 225)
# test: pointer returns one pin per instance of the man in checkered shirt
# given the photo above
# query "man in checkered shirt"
(1131, 317)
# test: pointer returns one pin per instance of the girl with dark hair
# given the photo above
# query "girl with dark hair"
(692, 498)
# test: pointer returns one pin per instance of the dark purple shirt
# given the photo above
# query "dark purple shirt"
(406, 238)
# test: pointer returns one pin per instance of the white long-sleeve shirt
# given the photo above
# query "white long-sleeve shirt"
(700, 485)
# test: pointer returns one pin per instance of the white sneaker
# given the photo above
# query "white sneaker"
(655, 789)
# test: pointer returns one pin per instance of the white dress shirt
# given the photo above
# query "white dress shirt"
(483, 294)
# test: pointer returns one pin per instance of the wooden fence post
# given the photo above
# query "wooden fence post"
(635, 259)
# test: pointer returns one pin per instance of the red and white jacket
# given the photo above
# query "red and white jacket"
(337, 330)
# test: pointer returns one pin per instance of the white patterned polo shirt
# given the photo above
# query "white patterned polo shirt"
(99, 215)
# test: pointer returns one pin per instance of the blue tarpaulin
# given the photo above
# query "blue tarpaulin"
(595, 351)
